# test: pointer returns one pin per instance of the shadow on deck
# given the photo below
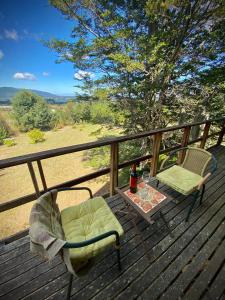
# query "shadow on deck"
(191, 265)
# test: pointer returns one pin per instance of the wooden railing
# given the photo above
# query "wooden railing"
(114, 167)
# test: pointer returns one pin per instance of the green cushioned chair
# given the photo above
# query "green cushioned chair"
(188, 177)
(86, 221)
(89, 228)
(80, 232)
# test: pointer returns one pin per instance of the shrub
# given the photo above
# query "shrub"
(36, 136)
(9, 142)
(101, 113)
(31, 111)
(3, 133)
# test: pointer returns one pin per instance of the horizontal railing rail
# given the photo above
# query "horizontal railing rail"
(115, 166)
(18, 160)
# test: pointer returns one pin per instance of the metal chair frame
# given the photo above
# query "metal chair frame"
(90, 241)
(195, 194)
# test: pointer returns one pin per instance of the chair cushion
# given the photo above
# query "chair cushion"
(180, 179)
(85, 221)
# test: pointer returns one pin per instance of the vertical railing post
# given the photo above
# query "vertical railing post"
(155, 154)
(222, 132)
(34, 179)
(41, 172)
(114, 160)
(184, 143)
(205, 134)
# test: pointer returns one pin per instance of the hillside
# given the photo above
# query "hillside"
(7, 93)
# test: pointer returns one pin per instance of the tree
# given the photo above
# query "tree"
(151, 53)
(82, 112)
(31, 111)
(101, 113)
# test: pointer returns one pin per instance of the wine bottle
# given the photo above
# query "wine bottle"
(133, 179)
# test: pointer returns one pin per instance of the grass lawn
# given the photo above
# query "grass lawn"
(16, 182)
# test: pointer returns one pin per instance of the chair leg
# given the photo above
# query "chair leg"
(202, 194)
(165, 222)
(118, 258)
(117, 246)
(69, 287)
(157, 184)
(192, 205)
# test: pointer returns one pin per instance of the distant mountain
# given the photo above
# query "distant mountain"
(7, 93)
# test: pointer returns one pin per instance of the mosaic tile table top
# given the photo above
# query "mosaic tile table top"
(146, 197)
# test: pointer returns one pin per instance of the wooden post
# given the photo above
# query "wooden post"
(41, 172)
(155, 154)
(184, 143)
(34, 179)
(114, 159)
(222, 132)
(205, 134)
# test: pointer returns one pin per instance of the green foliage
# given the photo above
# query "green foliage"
(3, 133)
(82, 112)
(100, 157)
(36, 136)
(154, 56)
(31, 111)
(9, 142)
(5, 130)
(101, 113)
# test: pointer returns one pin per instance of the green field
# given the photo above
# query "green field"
(16, 182)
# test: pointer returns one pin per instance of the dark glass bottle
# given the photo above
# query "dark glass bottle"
(133, 179)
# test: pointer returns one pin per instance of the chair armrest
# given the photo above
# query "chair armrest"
(75, 189)
(213, 169)
(94, 240)
(214, 164)
(171, 154)
(203, 180)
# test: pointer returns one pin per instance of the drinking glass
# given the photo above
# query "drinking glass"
(146, 176)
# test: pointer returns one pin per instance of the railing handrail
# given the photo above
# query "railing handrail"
(115, 165)
(18, 160)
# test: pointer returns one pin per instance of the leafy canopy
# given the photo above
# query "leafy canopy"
(153, 54)
(31, 111)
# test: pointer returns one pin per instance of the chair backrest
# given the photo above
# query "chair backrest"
(196, 160)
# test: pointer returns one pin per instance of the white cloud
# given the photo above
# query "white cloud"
(24, 76)
(85, 57)
(45, 74)
(80, 75)
(11, 34)
(1, 54)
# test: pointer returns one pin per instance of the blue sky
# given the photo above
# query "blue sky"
(24, 61)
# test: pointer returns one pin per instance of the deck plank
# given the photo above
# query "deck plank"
(218, 287)
(195, 265)
(191, 265)
(141, 275)
(207, 274)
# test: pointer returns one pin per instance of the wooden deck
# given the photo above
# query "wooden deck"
(191, 265)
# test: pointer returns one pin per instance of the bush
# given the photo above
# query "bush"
(3, 133)
(31, 111)
(36, 136)
(101, 113)
(9, 142)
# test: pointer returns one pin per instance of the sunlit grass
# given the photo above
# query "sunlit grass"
(16, 182)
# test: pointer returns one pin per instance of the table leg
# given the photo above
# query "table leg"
(139, 233)
(167, 226)
(151, 221)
